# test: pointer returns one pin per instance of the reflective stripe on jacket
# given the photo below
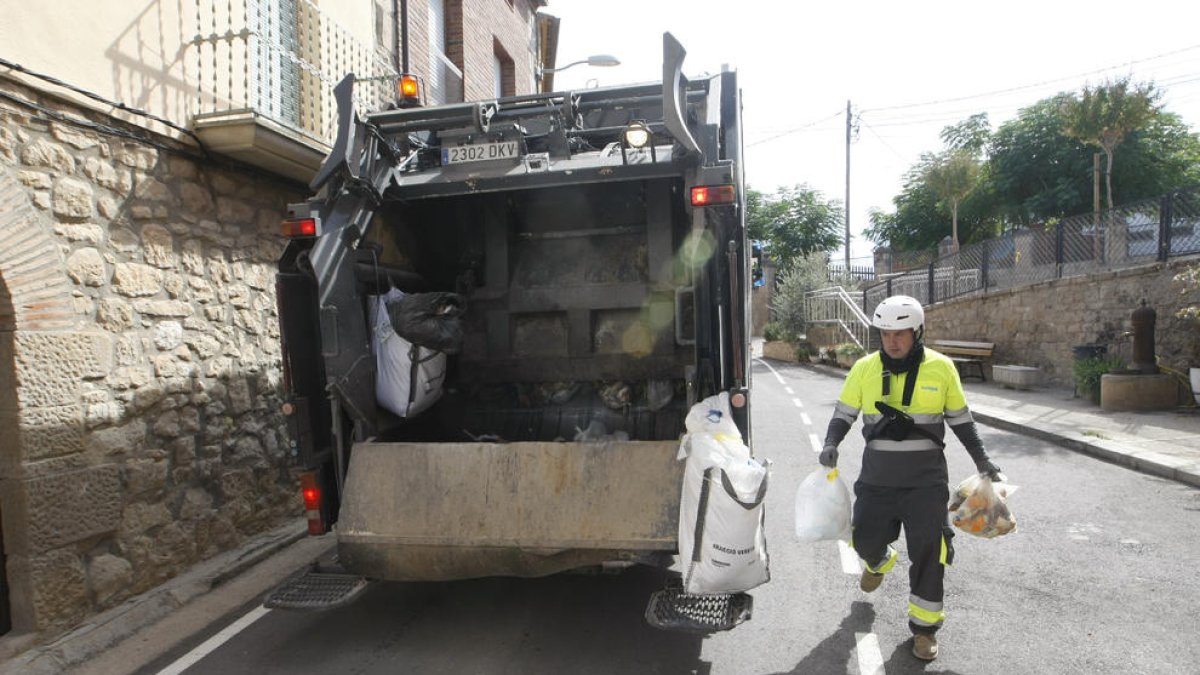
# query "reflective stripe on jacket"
(937, 400)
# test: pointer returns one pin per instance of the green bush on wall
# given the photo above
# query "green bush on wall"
(1089, 371)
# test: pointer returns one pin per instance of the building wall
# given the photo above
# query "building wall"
(139, 53)
(491, 22)
(1038, 325)
(139, 360)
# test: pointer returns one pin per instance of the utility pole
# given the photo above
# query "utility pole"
(848, 125)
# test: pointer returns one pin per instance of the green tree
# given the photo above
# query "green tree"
(1106, 115)
(952, 175)
(793, 222)
(972, 134)
(921, 217)
(1036, 172)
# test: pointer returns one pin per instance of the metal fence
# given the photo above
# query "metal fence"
(1133, 234)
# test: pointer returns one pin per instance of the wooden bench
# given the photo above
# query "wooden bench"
(965, 354)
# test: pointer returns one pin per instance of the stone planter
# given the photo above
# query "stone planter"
(1194, 375)
(779, 351)
(1017, 377)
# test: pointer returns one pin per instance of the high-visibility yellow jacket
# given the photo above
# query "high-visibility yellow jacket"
(937, 400)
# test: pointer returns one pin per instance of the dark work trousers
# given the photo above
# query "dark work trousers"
(878, 514)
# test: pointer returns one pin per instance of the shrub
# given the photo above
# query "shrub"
(809, 273)
(850, 349)
(1088, 371)
(773, 331)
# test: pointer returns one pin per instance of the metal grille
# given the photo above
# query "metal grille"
(1133, 234)
(317, 590)
(281, 59)
(673, 609)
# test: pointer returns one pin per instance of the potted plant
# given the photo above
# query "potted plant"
(1088, 372)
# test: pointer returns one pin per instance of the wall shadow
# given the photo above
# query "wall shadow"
(8, 407)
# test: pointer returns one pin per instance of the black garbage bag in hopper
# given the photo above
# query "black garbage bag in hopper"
(432, 320)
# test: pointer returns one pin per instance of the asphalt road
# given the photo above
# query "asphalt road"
(1099, 578)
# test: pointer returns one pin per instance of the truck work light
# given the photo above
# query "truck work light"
(637, 134)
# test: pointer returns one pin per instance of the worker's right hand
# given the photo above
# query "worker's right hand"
(829, 456)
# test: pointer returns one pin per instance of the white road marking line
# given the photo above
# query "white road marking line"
(789, 391)
(805, 418)
(816, 443)
(210, 645)
(773, 371)
(850, 564)
(798, 403)
(870, 660)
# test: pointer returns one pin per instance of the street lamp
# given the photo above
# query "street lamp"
(602, 60)
(545, 75)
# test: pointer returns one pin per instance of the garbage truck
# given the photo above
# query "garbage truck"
(587, 252)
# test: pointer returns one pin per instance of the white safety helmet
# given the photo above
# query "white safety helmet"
(899, 312)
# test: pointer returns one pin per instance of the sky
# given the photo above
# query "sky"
(908, 69)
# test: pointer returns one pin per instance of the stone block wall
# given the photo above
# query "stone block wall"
(1038, 325)
(139, 360)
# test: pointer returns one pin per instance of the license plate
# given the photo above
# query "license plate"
(481, 152)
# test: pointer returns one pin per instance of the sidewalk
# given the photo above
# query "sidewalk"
(1165, 443)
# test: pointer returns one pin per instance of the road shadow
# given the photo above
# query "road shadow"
(568, 623)
(834, 653)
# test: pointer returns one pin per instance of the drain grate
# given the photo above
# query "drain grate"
(315, 590)
(673, 609)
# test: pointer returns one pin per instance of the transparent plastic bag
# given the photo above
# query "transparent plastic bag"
(823, 507)
(979, 507)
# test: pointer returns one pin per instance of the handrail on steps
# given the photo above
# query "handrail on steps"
(844, 301)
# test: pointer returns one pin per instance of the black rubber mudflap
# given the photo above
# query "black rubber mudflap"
(673, 609)
(317, 590)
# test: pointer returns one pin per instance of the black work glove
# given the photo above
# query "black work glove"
(829, 456)
(987, 468)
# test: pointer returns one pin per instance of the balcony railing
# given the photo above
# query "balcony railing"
(265, 72)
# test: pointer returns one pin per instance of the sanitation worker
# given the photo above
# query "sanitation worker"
(906, 394)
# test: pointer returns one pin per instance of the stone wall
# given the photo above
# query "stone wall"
(139, 360)
(1038, 325)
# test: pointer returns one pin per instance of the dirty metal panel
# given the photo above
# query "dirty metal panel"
(536, 495)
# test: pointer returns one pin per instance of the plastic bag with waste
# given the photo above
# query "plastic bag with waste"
(408, 377)
(979, 506)
(722, 544)
(432, 320)
(823, 507)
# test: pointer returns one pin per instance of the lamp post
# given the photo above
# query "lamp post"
(599, 60)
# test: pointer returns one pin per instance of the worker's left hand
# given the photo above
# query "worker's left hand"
(989, 469)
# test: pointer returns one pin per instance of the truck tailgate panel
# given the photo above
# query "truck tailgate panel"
(425, 511)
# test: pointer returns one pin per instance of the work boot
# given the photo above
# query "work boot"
(869, 581)
(925, 646)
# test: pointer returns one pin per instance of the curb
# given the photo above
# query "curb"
(102, 631)
(1184, 473)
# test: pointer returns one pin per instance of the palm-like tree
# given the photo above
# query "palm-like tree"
(1104, 117)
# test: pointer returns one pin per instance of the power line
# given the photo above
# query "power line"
(1014, 89)
(794, 130)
